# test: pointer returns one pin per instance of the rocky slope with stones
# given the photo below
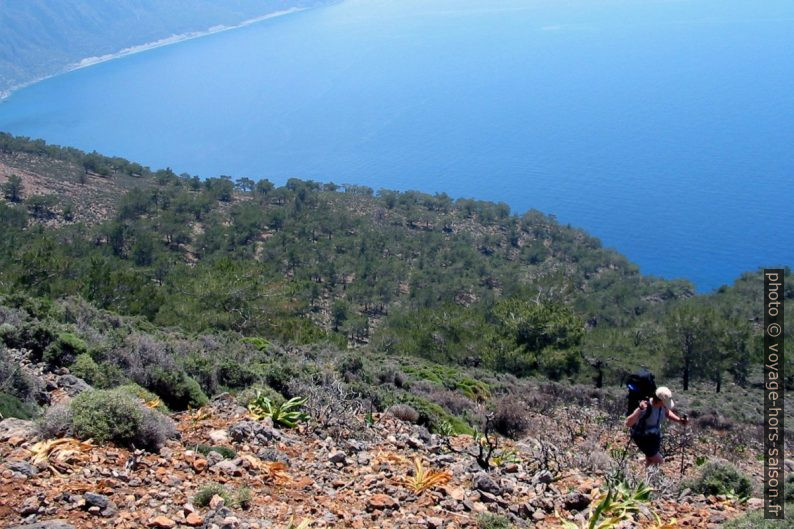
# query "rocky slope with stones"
(356, 477)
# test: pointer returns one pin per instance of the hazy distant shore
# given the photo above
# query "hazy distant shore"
(173, 39)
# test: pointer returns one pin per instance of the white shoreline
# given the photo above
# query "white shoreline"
(132, 50)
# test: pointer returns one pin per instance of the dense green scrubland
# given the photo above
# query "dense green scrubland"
(189, 287)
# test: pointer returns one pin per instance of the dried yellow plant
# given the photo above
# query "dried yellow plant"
(60, 455)
(424, 478)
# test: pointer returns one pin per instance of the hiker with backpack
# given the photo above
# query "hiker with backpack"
(646, 422)
(648, 406)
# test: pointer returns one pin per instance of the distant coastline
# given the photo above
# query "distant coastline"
(173, 39)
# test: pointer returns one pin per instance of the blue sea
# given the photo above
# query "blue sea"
(663, 127)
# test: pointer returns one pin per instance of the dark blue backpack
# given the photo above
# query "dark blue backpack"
(641, 386)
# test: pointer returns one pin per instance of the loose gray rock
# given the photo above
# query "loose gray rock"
(576, 501)
(273, 454)
(214, 457)
(486, 483)
(253, 430)
(24, 468)
(544, 476)
(337, 457)
(229, 468)
(72, 385)
(13, 427)
(219, 436)
(106, 506)
(49, 524)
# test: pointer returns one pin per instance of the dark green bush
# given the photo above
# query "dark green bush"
(178, 390)
(19, 384)
(101, 376)
(233, 375)
(351, 364)
(64, 350)
(720, 478)
(10, 406)
(32, 336)
(280, 376)
(85, 368)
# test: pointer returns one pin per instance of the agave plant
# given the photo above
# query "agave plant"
(286, 413)
(504, 457)
(425, 478)
(617, 505)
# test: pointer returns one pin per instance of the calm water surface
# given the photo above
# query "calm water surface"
(666, 128)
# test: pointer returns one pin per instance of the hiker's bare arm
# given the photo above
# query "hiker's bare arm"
(675, 418)
(632, 419)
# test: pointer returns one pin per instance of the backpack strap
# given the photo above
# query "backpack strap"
(640, 426)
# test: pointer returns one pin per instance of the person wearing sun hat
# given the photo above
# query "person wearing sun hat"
(646, 424)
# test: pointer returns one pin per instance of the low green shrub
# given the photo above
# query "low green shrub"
(718, 477)
(143, 394)
(204, 495)
(101, 376)
(242, 498)
(105, 415)
(510, 417)
(431, 415)
(56, 422)
(6, 329)
(451, 378)
(755, 520)
(493, 521)
(248, 395)
(260, 344)
(232, 498)
(226, 451)
(404, 412)
(113, 415)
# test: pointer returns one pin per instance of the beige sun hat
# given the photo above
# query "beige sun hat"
(664, 394)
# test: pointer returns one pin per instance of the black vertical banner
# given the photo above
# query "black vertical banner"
(774, 453)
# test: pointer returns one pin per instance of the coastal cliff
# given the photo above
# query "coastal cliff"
(74, 34)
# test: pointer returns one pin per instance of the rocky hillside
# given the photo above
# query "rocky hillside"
(229, 353)
(226, 466)
(39, 38)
